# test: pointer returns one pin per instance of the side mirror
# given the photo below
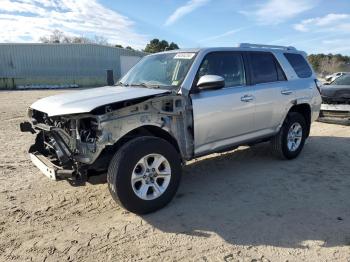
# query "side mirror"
(210, 82)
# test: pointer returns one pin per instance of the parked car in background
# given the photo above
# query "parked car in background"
(336, 100)
(170, 108)
(332, 77)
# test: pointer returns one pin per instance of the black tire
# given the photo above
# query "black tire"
(121, 168)
(279, 142)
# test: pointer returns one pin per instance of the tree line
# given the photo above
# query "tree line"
(326, 64)
(323, 64)
(59, 37)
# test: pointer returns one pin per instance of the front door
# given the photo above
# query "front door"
(222, 117)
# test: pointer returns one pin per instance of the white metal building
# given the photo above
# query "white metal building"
(63, 65)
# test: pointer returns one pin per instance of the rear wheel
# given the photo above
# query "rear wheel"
(144, 174)
(289, 141)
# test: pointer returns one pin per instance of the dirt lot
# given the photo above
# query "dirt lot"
(238, 206)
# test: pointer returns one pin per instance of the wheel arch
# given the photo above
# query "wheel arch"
(305, 110)
(150, 130)
(146, 130)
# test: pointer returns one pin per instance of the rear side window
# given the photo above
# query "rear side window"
(265, 68)
(229, 65)
(299, 64)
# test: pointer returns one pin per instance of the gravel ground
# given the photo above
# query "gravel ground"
(243, 205)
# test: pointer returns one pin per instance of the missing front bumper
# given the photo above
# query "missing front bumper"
(46, 167)
(49, 169)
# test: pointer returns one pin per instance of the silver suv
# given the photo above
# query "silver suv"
(170, 108)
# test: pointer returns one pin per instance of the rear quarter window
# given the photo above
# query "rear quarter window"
(299, 64)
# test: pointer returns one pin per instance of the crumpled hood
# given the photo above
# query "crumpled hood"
(85, 101)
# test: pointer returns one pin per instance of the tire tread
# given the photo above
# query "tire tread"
(114, 172)
(277, 140)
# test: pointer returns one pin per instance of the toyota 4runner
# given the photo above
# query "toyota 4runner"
(170, 108)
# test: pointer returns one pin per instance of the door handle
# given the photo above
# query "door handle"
(286, 92)
(247, 98)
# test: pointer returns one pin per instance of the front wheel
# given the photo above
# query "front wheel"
(144, 174)
(289, 141)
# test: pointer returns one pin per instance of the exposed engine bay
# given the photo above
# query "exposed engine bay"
(74, 144)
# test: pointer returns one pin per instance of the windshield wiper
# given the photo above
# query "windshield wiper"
(145, 85)
(140, 84)
(121, 84)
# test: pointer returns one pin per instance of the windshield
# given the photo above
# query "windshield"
(166, 70)
(342, 80)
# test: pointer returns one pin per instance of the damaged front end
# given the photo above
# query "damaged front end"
(68, 146)
(60, 143)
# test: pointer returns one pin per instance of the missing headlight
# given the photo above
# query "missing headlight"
(88, 130)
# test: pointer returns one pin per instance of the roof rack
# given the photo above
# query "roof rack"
(247, 45)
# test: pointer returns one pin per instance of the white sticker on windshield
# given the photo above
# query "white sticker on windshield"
(184, 56)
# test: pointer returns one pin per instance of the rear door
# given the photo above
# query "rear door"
(271, 90)
(225, 116)
(304, 83)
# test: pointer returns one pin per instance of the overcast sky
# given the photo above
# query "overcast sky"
(316, 26)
